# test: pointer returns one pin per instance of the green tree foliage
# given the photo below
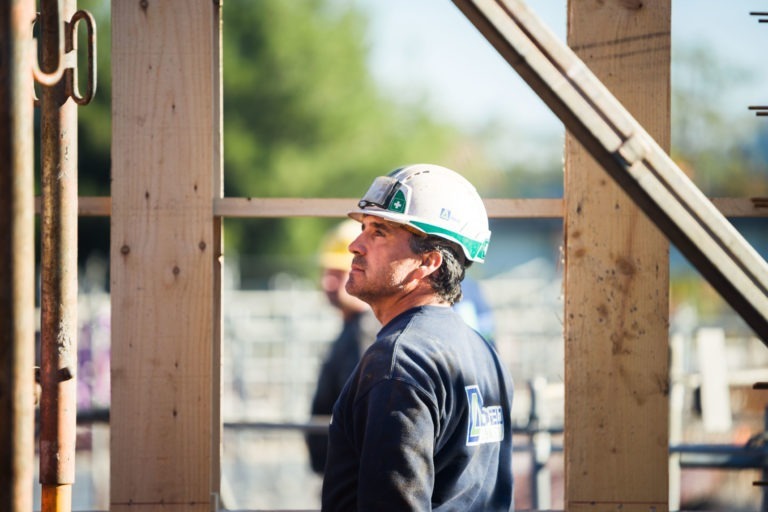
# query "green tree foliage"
(710, 134)
(95, 119)
(303, 117)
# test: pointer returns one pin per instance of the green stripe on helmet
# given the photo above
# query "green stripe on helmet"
(474, 249)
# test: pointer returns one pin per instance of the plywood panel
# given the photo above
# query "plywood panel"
(616, 278)
(162, 246)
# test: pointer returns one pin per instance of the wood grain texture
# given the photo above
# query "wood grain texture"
(617, 278)
(246, 207)
(161, 254)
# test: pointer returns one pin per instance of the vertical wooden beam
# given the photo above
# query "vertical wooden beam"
(218, 242)
(162, 252)
(17, 258)
(617, 279)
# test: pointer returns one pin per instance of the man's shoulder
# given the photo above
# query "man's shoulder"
(431, 318)
(397, 351)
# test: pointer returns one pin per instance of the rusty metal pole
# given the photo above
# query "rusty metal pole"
(17, 258)
(58, 303)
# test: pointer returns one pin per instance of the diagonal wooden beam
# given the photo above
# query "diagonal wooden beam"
(628, 154)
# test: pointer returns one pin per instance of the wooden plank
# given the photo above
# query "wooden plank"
(524, 208)
(252, 207)
(217, 250)
(161, 255)
(93, 206)
(17, 259)
(617, 279)
(247, 207)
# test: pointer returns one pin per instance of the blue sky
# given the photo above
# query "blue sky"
(427, 51)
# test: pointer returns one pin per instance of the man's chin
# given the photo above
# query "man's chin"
(351, 285)
(355, 292)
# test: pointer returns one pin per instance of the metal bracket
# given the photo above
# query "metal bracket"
(41, 77)
(67, 64)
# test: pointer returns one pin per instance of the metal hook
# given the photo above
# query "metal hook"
(72, 84)
(41, 77)
(68, 60)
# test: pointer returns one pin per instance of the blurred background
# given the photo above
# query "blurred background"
(320, 96)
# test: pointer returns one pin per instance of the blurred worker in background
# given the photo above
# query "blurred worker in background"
(358, 332)
(424, 422)
(475, 310)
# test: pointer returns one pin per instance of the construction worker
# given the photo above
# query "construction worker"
(358, 331)
(424, 422)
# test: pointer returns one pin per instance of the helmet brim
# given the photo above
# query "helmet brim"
(397, 218)
(412, 224)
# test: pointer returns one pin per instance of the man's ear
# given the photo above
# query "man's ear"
(430, 262)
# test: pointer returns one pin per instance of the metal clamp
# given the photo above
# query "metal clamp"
(41, 77)
(73, 89)
(762, 18)
(67, 64)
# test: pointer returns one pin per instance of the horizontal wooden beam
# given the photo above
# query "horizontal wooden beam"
(253, 207)
(301, 207)
(246, 207)
(87, 206)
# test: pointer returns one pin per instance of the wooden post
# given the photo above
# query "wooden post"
(17, 257)
(218, 246)
(617, 279)
(163, 248)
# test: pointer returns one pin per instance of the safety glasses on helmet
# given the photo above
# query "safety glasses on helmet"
(381, 192)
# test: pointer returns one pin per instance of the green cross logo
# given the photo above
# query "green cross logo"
(397, 204)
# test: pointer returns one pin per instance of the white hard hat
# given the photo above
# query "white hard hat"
(433, 200)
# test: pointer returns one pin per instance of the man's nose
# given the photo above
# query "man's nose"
(356, 246)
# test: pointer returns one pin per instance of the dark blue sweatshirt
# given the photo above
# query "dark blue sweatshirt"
(423, 423)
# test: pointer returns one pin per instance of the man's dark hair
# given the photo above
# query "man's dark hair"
(446, 281)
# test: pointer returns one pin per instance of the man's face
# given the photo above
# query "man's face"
(383, 261)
